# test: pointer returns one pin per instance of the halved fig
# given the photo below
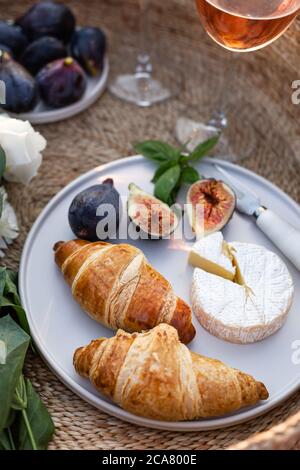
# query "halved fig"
(210, 205)
(153, 217)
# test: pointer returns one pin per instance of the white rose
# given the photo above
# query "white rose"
(9, 229)
(22, 146)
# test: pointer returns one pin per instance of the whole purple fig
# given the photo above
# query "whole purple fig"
(21, 91)
(88, 46)
(42, 51)
(61, 82)
(48, 18)
(12, 37)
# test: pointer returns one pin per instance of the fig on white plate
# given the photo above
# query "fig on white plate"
(47, 18)
(61, 82)
(153, 217)
(88, 47)
(42, 51)
(13, 37)
(21, 91)
(85, 214)
(210, 205)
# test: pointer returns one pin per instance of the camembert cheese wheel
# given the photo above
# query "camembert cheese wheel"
(253, 304)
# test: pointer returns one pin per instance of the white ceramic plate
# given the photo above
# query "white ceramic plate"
(42, 114)
(59, 326)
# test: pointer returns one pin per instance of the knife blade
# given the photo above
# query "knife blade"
(283, 235)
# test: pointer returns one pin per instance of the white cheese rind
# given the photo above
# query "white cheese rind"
(211, 249)
(244, 314)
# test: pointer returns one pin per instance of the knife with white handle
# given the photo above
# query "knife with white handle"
(280, 232)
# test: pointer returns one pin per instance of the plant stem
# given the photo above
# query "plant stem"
(28, 427)
(12, 444)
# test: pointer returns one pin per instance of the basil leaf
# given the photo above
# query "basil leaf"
(166, 184)
(17, 342)
(190, 175)
(163, 167)
(38, 420)
(2, 162)
(203, 148)
(173, 195)
(157, 150)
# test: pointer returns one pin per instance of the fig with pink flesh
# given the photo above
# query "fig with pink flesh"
(153, 217)
(211, 204)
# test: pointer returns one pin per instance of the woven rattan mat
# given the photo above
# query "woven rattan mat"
(263, 123)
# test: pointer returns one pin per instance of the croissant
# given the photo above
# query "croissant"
(154, 375)
(117, 287)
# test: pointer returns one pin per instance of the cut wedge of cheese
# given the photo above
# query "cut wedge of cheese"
(250, 307)
(213, 255)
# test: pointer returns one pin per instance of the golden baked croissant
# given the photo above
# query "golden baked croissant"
(154, 375)
(116, 286)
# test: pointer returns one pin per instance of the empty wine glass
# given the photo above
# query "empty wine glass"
(148, 84)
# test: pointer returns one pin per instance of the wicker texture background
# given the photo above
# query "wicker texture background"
(263, 123)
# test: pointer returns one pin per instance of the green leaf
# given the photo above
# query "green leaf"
(202, 149)
(166, 183)
(173, 195)
(190, 175)
(157, 150)
(9, 297)
(1, 204)
(20, 313)
(13, 275)
(11, 287)
(19, 401)
(16, 346)
(2, 280)
(5, 443)
(38, 421)
(163, 167)
(2, 162)
(10, 419)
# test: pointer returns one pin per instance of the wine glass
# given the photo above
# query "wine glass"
(148, 84)
(242, 26)
(246, 25)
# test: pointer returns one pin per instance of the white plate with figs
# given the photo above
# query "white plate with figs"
(43, 114)
(59, 326)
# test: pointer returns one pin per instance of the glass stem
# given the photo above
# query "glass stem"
(144, 64)
(219, 116)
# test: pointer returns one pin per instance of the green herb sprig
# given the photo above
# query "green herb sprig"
(175, 165)
(25, 422)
